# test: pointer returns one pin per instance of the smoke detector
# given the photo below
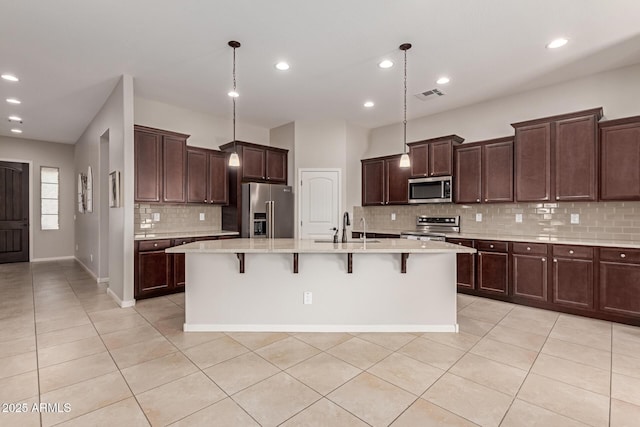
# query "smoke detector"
(430, 94)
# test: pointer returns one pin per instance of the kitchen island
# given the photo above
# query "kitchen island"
(387, 285)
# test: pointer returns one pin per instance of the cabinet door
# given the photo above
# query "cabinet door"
(276, 166)
(148, 163)
(497, 172)
(467, 183)
(466, 265)
(620, 162)
(533, 163)
(493, 272)
(620, 288)
(419, 160)
(152, 272)
(575, 159)
(530, 276)
(397, 182)
(253, 161)
(440, 158)
(178, 261)
(217, 185)
(197, 176)
(573, 282)
(174, 170)
(373, 183)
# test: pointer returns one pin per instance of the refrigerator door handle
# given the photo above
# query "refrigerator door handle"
(272, 226)
(268, 224)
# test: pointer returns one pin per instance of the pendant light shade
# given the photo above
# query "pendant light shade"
(234, 159)
(405, 162)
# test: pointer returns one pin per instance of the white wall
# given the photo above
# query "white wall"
(116, 117)
(49, 243)
(357, 145)
(616, 91)
(206, 130)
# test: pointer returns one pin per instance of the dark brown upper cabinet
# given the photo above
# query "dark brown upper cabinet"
(207, 177)
(620, 159)
(160, 165)
(556, 157)
(259, 163)
(433, 157)
(384, 182)
(484, 171)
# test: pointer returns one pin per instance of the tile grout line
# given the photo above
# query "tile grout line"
(611, 376)
(35, 337)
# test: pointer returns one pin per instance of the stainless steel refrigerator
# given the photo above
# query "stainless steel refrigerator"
(267, 211)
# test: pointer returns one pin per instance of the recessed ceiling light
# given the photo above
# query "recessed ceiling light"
(16, 131)
(13, 101)
(386, 64)
(443, 80)
(15, 119)
(554, 44)
(282, 66)
(233, 94)
(369, 104)
(10, 77)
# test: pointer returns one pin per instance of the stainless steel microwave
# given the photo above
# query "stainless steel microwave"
(430, 190)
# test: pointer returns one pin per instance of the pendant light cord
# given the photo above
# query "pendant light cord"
(404, 122)
(234, 99)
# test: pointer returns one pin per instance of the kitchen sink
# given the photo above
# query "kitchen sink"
(348, 241)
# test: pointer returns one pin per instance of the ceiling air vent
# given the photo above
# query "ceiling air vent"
(430, 94)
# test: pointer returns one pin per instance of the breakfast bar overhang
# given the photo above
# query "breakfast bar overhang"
(289, 285)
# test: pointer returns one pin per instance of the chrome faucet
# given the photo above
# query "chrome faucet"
(345, 223)
(364, 229)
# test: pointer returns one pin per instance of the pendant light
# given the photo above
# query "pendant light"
(234, 160)
(404, 159)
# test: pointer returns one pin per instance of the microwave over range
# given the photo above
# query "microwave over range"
(430, 190)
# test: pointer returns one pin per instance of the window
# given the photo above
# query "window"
(49, 192)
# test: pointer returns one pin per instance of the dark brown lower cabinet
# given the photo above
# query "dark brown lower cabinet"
(620, 281)
(573, 276)
(466, 265)
(493, 267)
(530, 271)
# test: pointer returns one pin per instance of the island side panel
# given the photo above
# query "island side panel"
(269, 296)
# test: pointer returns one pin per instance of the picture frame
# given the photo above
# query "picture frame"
(114, 189)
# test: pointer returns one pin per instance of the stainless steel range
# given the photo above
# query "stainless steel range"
(433, 228)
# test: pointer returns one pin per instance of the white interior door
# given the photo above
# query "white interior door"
(319, 195)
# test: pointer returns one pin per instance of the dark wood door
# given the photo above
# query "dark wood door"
(441, 158)
(197, 176)
(419, 160)
(465, 265)
(575, 159)
(276, 166)
(174, 170)
(533, 163)
(620, 161)
(373, 182)
(152, 272)
(530, 273)
(218, 178)
(147, 148)
(14, 212)
(493, 272)
(252, 163)
(497, 172)
(397, 185)
(467, 182)
(620, 281)
(573, 282)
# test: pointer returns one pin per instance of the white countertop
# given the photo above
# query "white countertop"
(184, 234)
(311, 246)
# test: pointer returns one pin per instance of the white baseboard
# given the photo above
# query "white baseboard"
(59, 258)
(87, 269)
(317, 328)
(103, 279)
(122, 304)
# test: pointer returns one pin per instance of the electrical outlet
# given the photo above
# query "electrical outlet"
(478, 217)
(575, 218)
(393, 216)
(518, 217)
(156, 216)
(201, 216)
(307, 298)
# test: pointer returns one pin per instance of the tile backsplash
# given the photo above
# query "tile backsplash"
(598, 220)
(175, 218)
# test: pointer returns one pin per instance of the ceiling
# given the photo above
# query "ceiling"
(69, 55)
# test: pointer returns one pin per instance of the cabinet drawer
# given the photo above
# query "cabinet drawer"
(154, 245)
(462, 242)
(572, 251)
(491, 246)
(620, 255)
(529, 248)
(184, 241)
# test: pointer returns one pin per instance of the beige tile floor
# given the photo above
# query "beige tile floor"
(64, 341)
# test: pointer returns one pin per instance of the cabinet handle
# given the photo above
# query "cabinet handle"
(155, 245)
(491, 246)
(478, 200)
(205, 200)
(623, 256)
(544, 259)
(555, 260)
(571, 251)
(486, 200)
(557, 197)
(528, 248)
